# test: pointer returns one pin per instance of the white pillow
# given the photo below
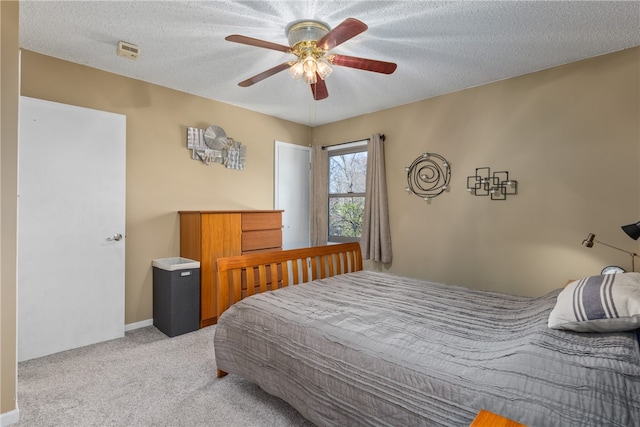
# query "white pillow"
(606, 303)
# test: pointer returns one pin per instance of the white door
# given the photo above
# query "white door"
(292, 189)
(71, 214)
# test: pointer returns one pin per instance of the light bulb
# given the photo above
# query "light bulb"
(309, 77)
(296, 70)
(309, 64)
(323, 69)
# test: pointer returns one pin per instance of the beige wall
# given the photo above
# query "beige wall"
(570, 137)
(161, 176)
(9, 82)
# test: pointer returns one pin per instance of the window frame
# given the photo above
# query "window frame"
(339, 150)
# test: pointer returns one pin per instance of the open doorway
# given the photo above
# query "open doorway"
(292, 193)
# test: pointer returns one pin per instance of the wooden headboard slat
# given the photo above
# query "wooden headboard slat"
(275, 280)
(294, 271)
(344, 262)
(251, 280)
(236, 289)
(263, 278)
(322, 267)
(308, 270)
(223, 291)
(323, 261)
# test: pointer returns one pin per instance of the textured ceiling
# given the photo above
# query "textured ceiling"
(440, 47)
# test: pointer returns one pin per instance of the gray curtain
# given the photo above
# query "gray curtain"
(319, 196)
(376, 234)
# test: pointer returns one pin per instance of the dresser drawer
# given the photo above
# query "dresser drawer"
(261, 239)
(261, 221)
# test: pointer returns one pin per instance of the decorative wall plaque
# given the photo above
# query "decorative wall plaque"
(428, 176)
(497, 185)
(212, 145)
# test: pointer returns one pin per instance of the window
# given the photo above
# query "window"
(347, 186)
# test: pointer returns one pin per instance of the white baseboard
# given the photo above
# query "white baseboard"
(9, 418)
(138, 325)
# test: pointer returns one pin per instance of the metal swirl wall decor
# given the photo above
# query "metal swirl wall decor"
(428, 176)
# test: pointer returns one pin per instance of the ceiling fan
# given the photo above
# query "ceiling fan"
(310, 41)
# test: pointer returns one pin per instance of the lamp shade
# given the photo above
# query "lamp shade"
(588, 242)
(633, 230)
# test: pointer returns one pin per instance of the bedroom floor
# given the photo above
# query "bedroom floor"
(144, 379)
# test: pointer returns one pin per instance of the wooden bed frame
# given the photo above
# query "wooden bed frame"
(276, 269)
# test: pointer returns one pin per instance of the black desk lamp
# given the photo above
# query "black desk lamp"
(633, 230)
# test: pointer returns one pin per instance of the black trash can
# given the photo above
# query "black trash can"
(176, 295)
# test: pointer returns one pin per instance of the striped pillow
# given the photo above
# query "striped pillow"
(606, 303)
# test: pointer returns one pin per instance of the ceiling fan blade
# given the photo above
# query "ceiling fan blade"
(346, 30)
(319, 89)
(258, 43)
(263, 75)
(362, 63)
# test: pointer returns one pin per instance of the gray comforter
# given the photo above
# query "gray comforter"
(371, 348)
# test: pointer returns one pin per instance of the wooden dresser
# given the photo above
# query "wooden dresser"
(206, 236)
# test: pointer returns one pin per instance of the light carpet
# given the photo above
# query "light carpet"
(144, 379)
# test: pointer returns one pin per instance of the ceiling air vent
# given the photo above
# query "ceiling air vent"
(128, 50)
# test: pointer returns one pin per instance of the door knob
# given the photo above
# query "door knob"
(117, 237)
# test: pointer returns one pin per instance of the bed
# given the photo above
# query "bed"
(349, 347)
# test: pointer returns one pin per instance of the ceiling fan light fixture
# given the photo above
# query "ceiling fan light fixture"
(296, 70)
(309, 64)
(309, 68)
(323, 69)
(310, 41)
(309, 77)
(305, 30)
